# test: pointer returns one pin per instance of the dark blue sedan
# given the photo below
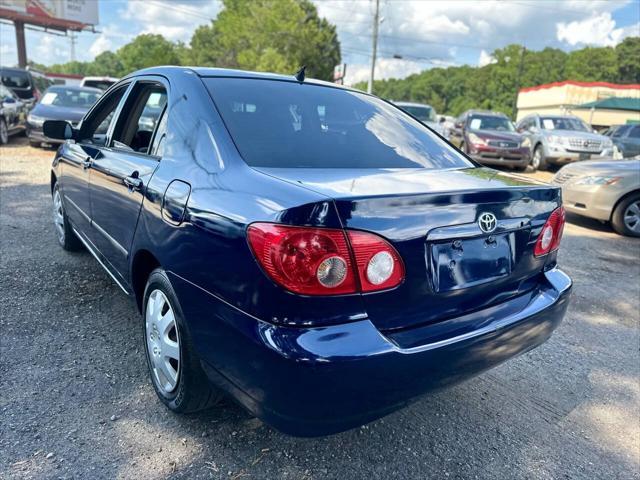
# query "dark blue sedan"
(310, 250)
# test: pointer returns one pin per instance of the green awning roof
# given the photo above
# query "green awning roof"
(614, 103)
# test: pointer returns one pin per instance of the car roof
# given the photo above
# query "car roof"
(412, 104)
(486, 112)
(75, 88)
(209, 72)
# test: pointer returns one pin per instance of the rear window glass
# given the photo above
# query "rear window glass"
(291, 125)
(16, 79)
(424, 114)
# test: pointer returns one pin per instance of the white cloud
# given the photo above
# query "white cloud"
(485, 59)
(101, 44)
(599, 30)
(385, 68)
(175, 20)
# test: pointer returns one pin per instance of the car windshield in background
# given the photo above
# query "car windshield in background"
(563, 123)
(16, 79)
(62, 97)
(490, 122)
(292, 125)
(424, 114)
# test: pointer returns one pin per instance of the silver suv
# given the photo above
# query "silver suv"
(561, 139)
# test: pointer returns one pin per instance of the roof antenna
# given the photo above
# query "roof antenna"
(300, 74)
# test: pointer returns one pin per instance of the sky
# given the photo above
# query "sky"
(424, 33)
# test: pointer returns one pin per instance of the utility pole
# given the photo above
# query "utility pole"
(514, 111)
(21, 44)
(376, 21)
(72, 38)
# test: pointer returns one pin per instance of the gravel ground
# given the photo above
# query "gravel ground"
(76, 402)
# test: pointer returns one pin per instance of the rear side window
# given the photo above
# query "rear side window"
(291, 125)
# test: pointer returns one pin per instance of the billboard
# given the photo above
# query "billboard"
(60, 14)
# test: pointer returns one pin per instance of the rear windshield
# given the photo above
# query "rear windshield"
(16, 79)
(291, 125)
(69, 97)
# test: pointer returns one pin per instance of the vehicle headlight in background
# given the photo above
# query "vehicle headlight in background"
(476, 140)
(526, 142)
(596, 180)
(35, 120)
(607, 143)
(557, 140)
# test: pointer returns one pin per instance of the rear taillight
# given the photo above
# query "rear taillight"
(551, 233)
(318, 261)
(379, 265)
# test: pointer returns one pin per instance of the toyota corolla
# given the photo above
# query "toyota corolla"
(309, 250)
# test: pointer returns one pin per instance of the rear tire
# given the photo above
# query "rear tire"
(626, 216)
(538, 161)
(66, 236)
(180, 383)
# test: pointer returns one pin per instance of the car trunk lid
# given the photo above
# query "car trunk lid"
(431, 218)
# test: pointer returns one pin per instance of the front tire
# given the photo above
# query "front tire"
(175, 370)
(538, 160)
(4, 132)
(65, 234)
(626, 216)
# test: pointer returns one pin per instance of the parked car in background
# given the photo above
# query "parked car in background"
(312, 251)
(625, 138)
(425, 113)
(605, 190)
(22, 83)
(59, 103)
(561, 139)
(103, 83)
(13, 114)
(491, 139)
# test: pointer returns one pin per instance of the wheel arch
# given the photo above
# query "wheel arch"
(144, 262)
(54, 180)
(622, 199)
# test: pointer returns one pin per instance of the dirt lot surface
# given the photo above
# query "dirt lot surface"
(76, 401)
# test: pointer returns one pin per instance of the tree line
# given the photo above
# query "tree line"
(453, 90)
(280, 36)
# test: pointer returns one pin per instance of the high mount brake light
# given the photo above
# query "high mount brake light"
(551, 233)
(318, 261)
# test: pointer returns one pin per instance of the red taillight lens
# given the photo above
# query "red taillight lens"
(379, 265)
(310, 261)
(551, 234)
(317, 261)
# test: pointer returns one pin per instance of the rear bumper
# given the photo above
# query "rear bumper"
(318, 381)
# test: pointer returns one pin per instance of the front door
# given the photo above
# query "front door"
(122, 169)
(76, 158)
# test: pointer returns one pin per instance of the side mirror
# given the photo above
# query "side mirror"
(533, 129)
(58, 129)
(442, 120)
(458, 125)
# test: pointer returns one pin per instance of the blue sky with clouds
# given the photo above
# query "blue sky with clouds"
(423, 32)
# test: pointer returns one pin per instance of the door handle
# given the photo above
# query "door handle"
(134, 183)
(86, 163)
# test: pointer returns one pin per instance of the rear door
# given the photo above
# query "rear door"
(76, 159)
(122, 169)
(631, 142)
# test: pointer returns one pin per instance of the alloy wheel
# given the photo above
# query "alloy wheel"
(632, 217)
(58, 215)
(535, 161)
(4, 133)
(163, 342)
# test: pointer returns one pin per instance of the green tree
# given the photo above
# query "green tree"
(147, 50)
(268, 35)
(107, 64)
(592, 63)
(628, 54)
